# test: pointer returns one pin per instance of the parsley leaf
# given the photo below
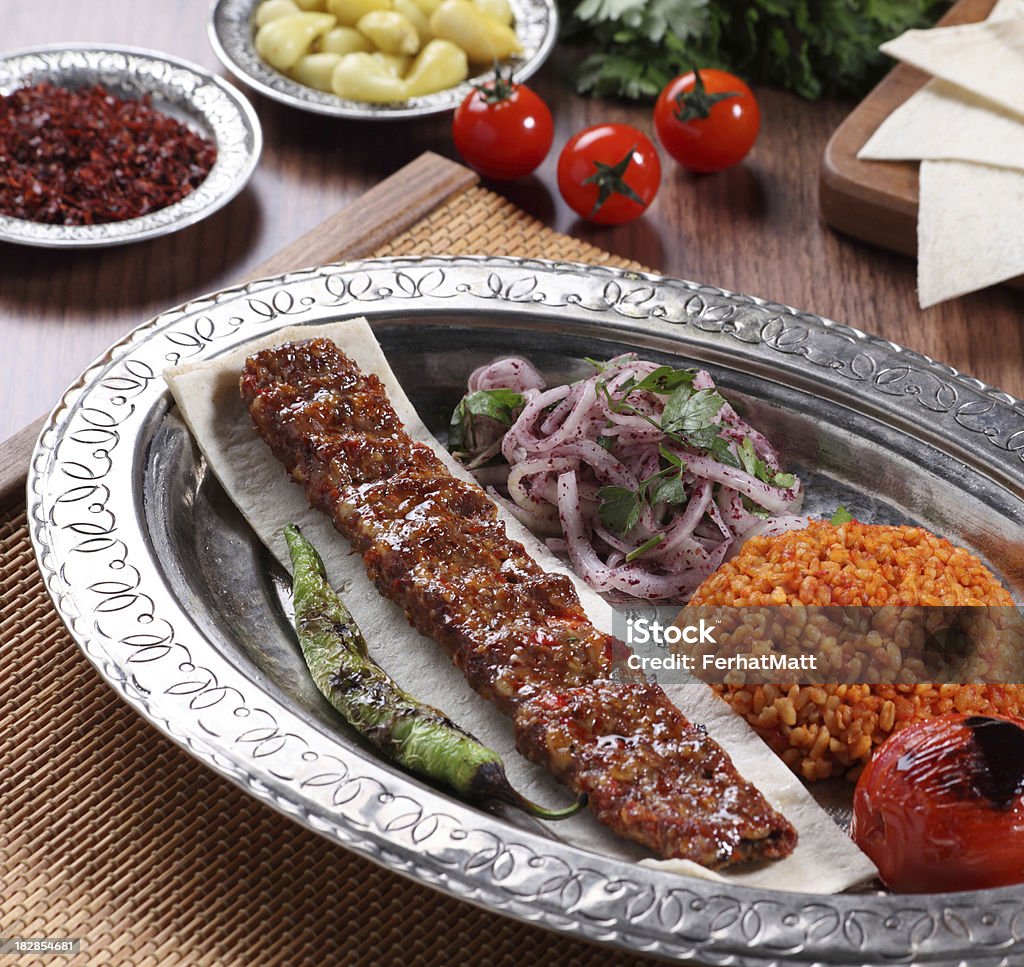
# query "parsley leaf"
(650, 19)
(719, 448)
(841, 516)
(670, 490)
(617, 404)
(664, 380)
(687, 412)
(691, 419)
(811, 47)
(752, 507)
(619, 509)
(500, 405)
(750, 461)
(756, 467)
(673, 459)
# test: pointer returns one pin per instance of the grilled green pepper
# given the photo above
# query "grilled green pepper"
(418, 737)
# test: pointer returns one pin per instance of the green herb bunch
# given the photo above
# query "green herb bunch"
(812, 47)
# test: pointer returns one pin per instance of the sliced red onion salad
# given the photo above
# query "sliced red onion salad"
(512, 372)
(644, 475)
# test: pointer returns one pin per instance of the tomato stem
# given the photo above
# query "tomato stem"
(500, 89)
(611, 180)
(696, 104)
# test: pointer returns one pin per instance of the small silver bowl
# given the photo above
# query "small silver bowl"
(232, 36)
(184, 91)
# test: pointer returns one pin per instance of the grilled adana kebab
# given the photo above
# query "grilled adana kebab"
(434, 544)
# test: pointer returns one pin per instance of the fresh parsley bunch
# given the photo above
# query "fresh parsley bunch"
(812, 47)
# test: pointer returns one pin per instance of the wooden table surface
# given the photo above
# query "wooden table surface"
(755, 229)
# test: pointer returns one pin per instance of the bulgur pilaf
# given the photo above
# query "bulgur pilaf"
(826, 730)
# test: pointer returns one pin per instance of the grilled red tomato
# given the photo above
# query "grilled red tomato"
(941, 805)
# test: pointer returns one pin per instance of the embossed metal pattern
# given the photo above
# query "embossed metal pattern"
(232, 35)
(90, 534)
(185, 91)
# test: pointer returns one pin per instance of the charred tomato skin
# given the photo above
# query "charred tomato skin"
(721, 139)
(937, 810)
(503, 132)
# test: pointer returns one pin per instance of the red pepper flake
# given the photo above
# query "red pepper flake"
(86, 157)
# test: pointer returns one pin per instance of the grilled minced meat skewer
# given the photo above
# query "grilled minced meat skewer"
(434, 544)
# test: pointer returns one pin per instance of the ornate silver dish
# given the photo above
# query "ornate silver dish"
(184, 613)
(182, 90)
(231, 35)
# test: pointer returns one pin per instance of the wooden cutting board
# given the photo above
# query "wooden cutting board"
(877, 200)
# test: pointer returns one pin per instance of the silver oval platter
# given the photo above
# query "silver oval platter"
(232, 35)
(183, 611)
(187, 92)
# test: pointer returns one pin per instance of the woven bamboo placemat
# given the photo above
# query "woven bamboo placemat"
(111, 834)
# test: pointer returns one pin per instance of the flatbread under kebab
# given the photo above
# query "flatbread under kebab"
(208, 396)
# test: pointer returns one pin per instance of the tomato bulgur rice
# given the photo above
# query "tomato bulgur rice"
(828, 730)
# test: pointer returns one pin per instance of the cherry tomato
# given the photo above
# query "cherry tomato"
(609, 173)
(941, 805)
(503, 129)
(707, 120)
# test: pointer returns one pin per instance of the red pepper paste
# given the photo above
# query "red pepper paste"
(84, 157)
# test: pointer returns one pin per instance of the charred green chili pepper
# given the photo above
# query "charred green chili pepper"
(417, 736)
